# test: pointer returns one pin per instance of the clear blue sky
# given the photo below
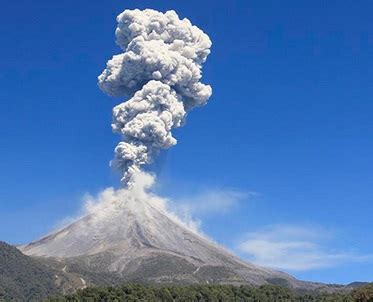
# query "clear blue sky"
(290, 119)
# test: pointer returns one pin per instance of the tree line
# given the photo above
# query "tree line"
(191, 293)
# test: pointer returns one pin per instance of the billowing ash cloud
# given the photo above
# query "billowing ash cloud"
(159, 71)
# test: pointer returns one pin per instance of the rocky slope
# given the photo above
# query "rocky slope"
(136, 240)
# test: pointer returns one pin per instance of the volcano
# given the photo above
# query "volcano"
(138, 240)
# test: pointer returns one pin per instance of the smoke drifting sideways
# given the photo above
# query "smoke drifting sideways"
(159, 72)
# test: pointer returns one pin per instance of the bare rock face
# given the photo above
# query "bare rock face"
(137, 241)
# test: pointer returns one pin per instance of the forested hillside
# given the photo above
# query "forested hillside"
(23, 278)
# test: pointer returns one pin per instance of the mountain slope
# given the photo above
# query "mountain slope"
(138, 240)
(23, 278)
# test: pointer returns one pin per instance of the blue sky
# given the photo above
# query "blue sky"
(285, 141)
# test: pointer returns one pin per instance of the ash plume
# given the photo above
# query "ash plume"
(159, 72)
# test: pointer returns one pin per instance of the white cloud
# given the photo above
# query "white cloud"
(218, 201)
(294, 248)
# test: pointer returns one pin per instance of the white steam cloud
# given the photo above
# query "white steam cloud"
(159, 71)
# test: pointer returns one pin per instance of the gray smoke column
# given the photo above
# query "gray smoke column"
(159, 72)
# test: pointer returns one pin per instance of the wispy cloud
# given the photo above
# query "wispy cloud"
(193, 208)
(217, 201)
(294, 248)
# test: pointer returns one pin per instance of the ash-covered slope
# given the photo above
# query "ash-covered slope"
(131, 237)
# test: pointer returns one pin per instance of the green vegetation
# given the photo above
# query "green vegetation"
(23, 278)
(265, 293)
(363, 293)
